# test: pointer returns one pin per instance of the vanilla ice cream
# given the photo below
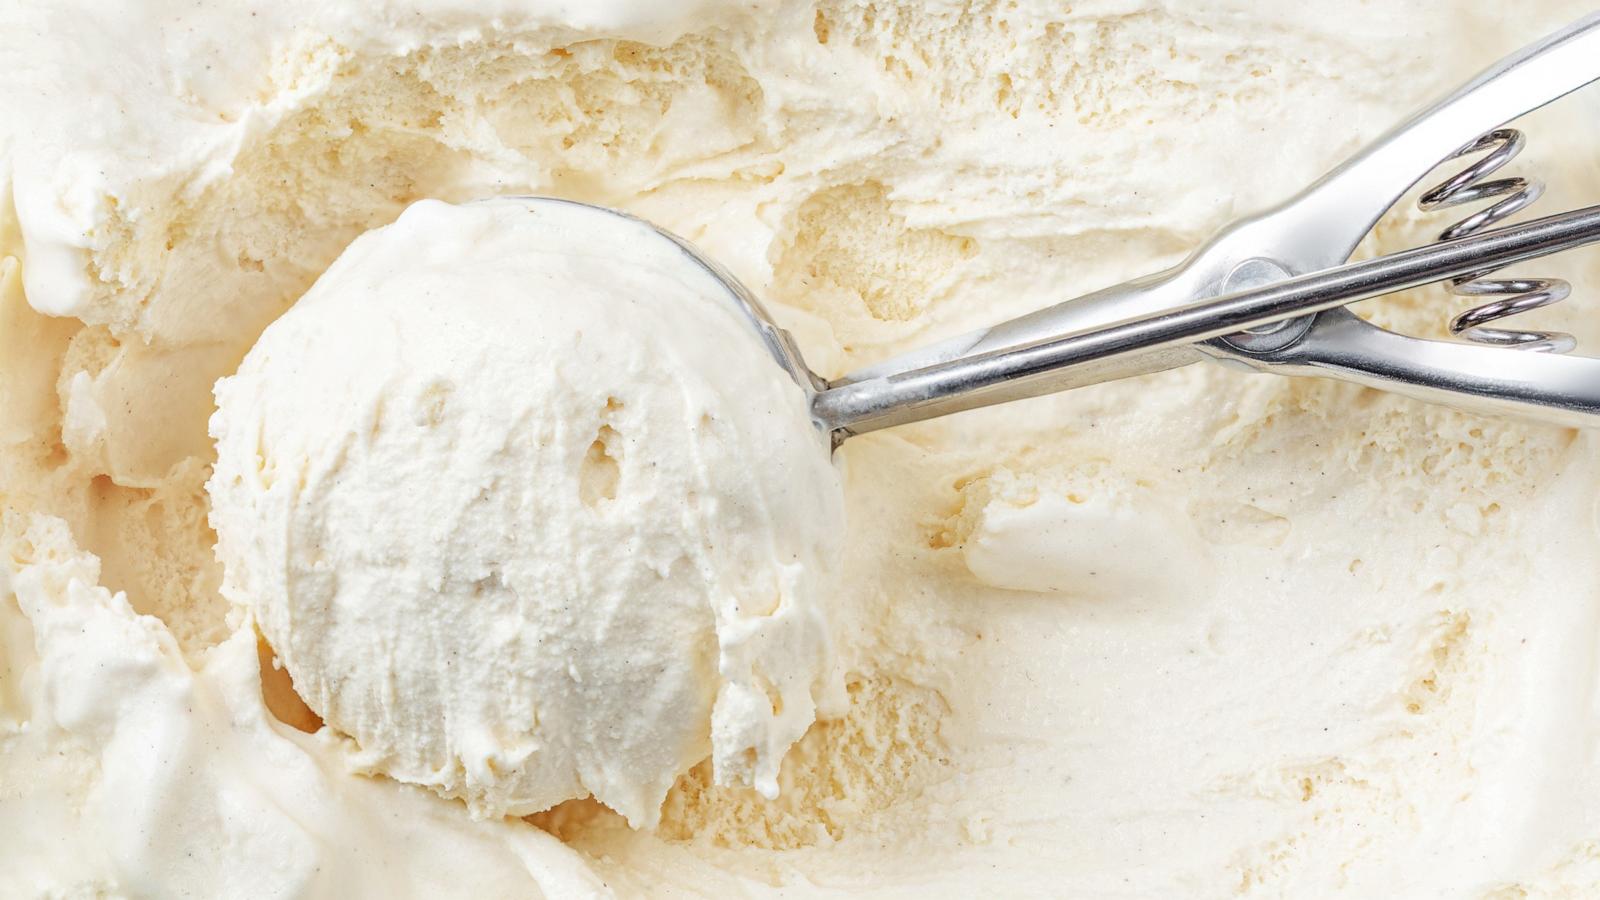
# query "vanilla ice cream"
(525, 507)
(1200, 634)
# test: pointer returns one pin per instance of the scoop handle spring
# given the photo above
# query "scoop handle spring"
(1515, 295)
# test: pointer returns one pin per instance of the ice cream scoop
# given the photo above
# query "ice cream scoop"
(531, 499)
(1245, 296)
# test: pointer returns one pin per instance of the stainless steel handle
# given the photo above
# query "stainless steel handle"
(1547, 387)
(1345, 203)
(1164, 339)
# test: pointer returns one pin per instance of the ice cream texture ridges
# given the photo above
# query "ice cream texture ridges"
(1362, 661)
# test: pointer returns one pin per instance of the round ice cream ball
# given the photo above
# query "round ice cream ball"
(528, 512)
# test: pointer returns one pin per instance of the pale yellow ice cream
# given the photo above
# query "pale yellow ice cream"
(1363, 663)
(527, 509)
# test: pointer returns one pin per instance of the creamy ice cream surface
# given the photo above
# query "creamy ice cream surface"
(580, 614)
(524, 506)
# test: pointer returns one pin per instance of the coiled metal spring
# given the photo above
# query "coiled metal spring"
(1517, 295)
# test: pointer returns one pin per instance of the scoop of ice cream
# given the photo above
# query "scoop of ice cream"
(530, 514)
